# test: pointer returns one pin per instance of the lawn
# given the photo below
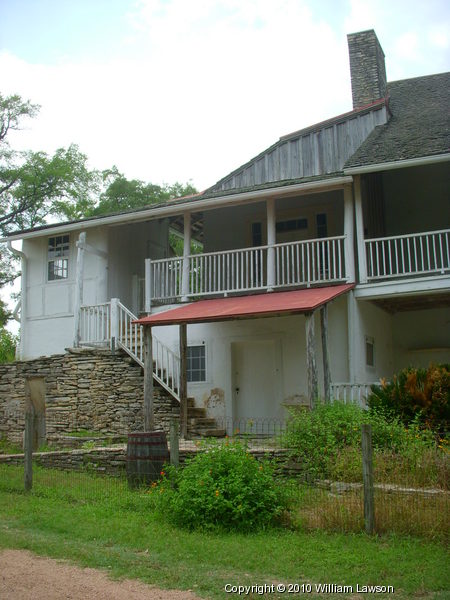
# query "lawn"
(97, 522)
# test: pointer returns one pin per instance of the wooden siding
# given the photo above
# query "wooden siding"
(307, 153)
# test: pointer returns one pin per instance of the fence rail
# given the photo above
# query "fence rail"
(406, 255)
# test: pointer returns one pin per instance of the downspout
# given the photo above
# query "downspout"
(23, 295)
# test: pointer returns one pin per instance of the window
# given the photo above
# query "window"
(370, 352)
(58, 257)
(321, 222)
(291, 225)
(256, 234)
(196, 363)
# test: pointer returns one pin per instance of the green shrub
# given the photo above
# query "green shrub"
(222, 487)
(8, 343)
(326, 441)
(416, 394)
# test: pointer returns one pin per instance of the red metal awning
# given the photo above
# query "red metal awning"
(248, 307)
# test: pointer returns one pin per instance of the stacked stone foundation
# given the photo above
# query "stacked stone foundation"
(85, 389)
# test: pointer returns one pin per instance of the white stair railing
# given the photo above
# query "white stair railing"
(130, 337)
(95, 324)
(111, 323)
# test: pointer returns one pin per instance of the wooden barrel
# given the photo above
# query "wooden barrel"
(147, 452)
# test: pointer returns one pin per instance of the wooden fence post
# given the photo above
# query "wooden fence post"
(367, 464)
(174, 444)
(28, 448)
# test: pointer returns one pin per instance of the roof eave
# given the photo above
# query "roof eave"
(200, 204)
(397, 164)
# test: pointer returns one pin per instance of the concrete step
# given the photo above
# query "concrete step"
(196, 412)
(218, 433)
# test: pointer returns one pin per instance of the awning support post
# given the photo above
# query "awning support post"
(183, 380)
(313, 389)
(325, 352)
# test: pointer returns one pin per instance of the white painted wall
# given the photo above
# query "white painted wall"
(230, 228)
(421, 337)
(366, 319)
(50, 304)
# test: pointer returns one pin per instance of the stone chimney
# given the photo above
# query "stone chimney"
(367, 68)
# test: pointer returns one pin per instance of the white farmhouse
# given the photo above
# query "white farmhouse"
(325, 263)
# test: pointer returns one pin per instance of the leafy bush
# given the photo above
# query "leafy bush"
(326, 441)
(222, 487)
(8, 342)
(421, 394)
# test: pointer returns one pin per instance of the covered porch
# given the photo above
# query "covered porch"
(242, 309)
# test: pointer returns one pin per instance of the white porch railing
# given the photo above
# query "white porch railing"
(309, 262)
(408, 255)
(351, 393)
(103, 323)
(95, 324)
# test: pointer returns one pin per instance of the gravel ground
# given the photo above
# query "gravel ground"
(25, 576)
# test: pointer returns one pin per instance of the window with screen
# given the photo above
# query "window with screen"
(58, 258)
(370, 352)
(196, 363)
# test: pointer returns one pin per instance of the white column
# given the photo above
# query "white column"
(186, 253)
(78, 300)
(148, 285)
(115, 328)
(349, 243)
(362, 263)
(271, 240)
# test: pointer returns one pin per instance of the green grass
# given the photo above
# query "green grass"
(99, 523)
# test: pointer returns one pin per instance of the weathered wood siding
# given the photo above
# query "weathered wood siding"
(313, 151)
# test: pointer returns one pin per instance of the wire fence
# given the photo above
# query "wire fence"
(410, 493)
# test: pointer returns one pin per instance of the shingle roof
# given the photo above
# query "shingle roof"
(419, 125)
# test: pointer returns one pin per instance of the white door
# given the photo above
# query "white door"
(256, 384)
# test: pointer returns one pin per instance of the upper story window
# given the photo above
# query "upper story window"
(291, 225)
(58, 258)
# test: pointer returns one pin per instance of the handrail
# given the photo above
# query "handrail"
(406, 235)
(101, 323)
(166, 363)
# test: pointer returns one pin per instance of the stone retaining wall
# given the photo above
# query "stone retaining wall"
(91, 389)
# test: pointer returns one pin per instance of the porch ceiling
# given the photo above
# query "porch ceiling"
(408, 303)
(248, 307)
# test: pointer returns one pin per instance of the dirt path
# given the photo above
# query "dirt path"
(24, 576)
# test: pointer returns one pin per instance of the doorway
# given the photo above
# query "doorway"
(256, 381)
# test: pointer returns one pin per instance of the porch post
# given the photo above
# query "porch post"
(149, 420)
(349, 243)
(311, 365)
(362, 263)
(114, 325)
(148, 286)
(271, 240)
(186, 253)
(325, 352)
(183, 380)
(78, 300)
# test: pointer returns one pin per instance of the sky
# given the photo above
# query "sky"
(188, 90)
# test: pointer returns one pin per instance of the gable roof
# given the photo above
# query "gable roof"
(419, 125)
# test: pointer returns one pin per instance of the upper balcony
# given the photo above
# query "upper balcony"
(246, 270)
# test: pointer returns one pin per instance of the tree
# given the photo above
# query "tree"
(34, 185)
